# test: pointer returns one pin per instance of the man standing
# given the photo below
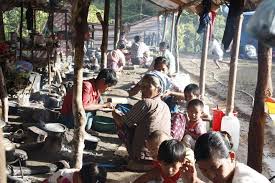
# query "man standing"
(139, 50)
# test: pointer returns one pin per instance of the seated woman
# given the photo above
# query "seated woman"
(146, 116)
(218, 163)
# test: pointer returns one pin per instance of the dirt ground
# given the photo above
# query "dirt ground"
(216, 92)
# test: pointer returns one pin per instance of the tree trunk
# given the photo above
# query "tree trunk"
(3, 175)
(172, 33)
(203, 60)
(176, 40)
(2, 27)
(105, 26)
(164, 28)
(258, 117)
(79, 18)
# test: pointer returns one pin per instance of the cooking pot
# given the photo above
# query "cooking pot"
(91, 142)
(55, 129)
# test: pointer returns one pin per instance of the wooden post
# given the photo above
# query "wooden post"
(164, 28)
(105, 25)
(176, 40)
(258, 117)
(21, 31)
(120, 16)
(203, 60)
(66, 34)
(2, 28)
(172, 33)
(3, 175)
(117, 23)
(51, 19)
(80, 10)
(158, 34)
(233, 67)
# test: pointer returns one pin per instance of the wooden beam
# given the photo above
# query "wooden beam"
(80, 10)
(165, 27)
(21, 31)
(233, 67)
(176, 40)
(172, 33)
(258, 117)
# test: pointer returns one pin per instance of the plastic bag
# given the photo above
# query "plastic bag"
(262, 24)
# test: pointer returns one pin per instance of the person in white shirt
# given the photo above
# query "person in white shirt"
(216, 50)
(139, 51)
(218, 163)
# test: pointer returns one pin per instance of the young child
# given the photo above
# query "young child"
(156, 138)
(171, 156)
(89, 173)
(195, 126)
(192, 91)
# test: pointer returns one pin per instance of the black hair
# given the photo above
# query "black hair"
(161, 60)
(192, 88)
(171, 151)
(163, 45)
(213, 144)
(195, 103)
(108, 75)
(121, 46)
(91, 173)
(137, 38)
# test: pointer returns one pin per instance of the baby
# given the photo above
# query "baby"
(195, 126)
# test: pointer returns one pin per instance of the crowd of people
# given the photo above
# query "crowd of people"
(165, 133)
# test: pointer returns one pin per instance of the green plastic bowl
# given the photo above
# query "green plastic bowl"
(104, 124)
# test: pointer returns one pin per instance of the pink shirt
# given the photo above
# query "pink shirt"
(197, 129)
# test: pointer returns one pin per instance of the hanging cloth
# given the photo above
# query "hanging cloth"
(235, 10)
(204, 17)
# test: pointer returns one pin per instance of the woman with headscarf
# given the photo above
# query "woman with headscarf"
(146, 116)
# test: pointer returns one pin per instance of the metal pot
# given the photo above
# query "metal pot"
(91, 142)
(54, 129)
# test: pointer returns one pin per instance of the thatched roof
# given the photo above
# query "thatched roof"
(195, 6)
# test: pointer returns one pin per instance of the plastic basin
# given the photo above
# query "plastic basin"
(104, 124)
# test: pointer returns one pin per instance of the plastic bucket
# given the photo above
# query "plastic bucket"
(217, 118)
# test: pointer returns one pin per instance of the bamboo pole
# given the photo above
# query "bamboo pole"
(105, 25)
(258, 117)
(172, 33)
(158, 34)
(79, 19)
(233, 67)
(164, 28)
(176, 40)
(120, 16)
(117, 23)
(3, 175)
(21, 31)
(203, 60)
(2, 28)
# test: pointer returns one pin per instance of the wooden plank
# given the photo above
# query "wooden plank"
(172, 33)
(176, 40)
